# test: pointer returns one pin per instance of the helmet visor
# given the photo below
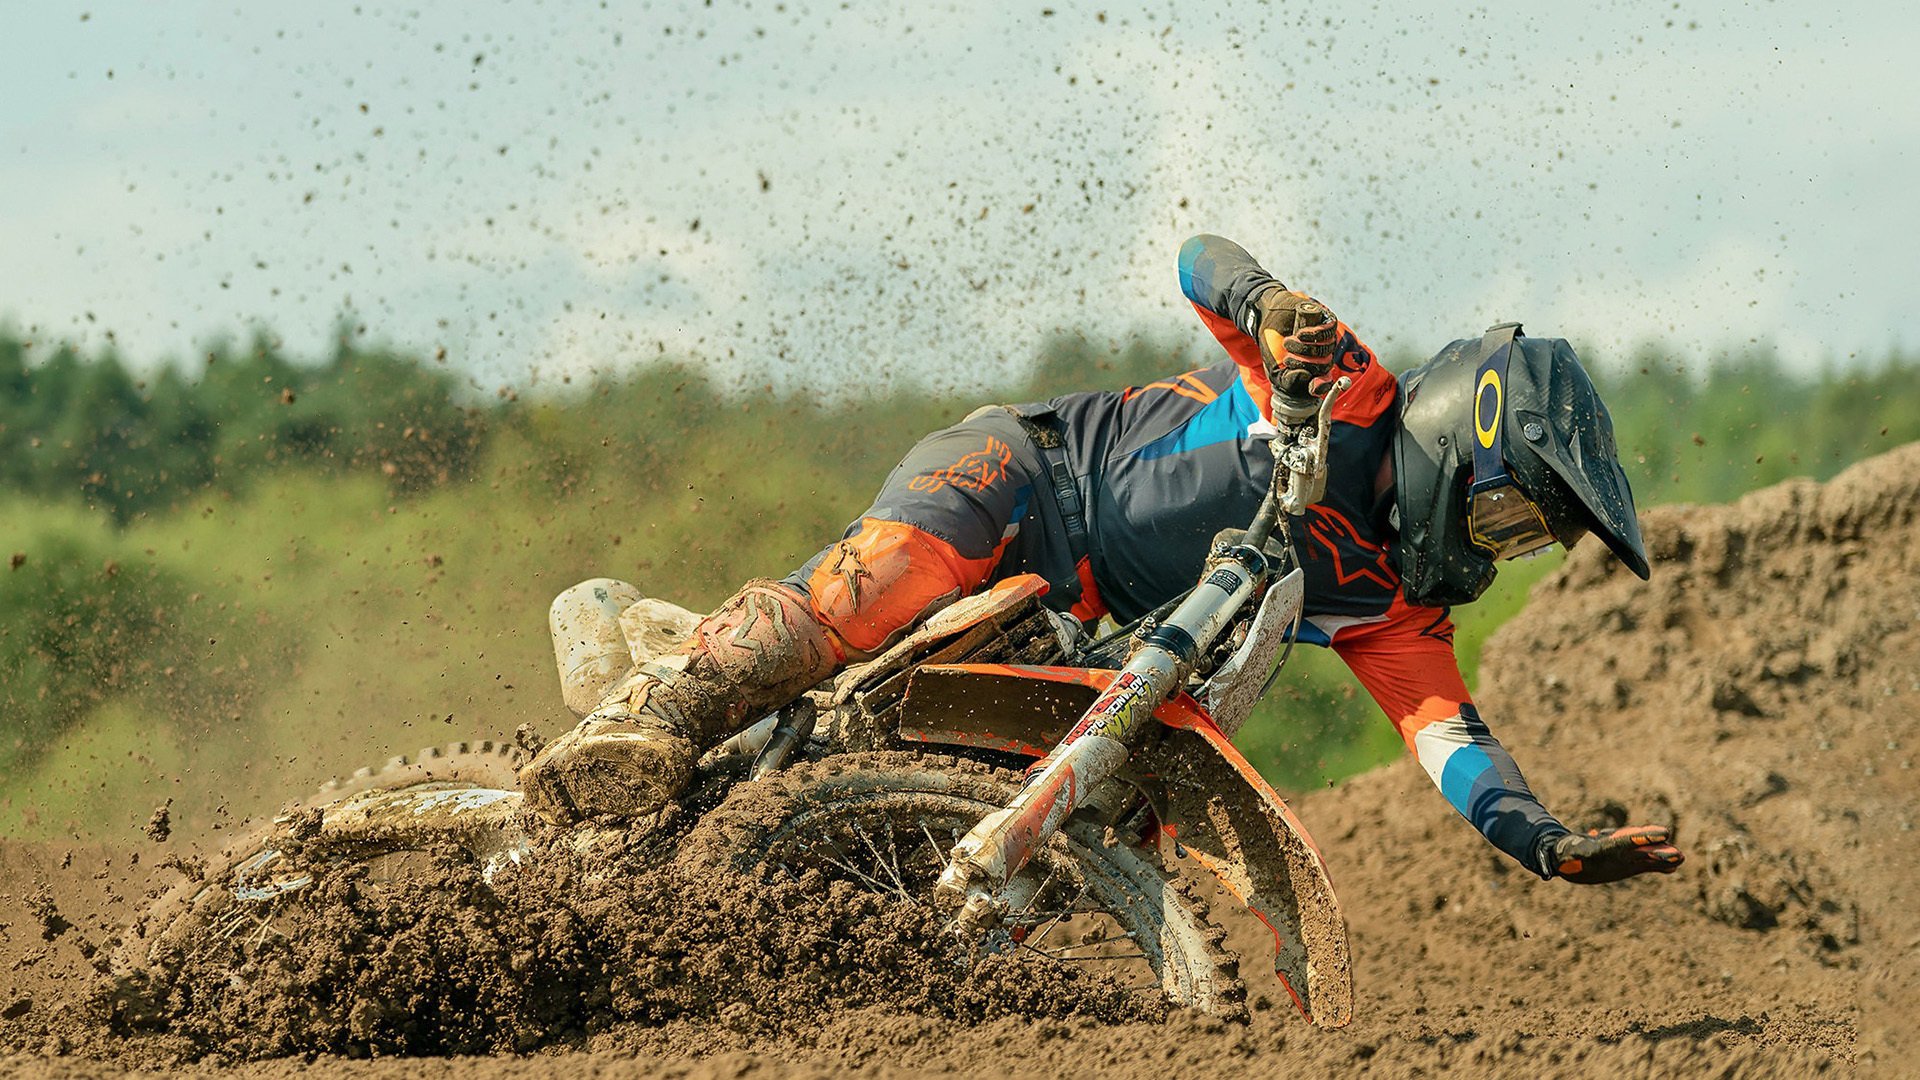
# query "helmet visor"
(1503, 521)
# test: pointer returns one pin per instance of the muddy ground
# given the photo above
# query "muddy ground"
(1760, 693)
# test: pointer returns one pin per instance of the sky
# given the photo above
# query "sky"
(853, 194)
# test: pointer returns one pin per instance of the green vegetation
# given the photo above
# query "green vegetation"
(83, 429)
(225, 588)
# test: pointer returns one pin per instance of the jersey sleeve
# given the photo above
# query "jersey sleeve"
(1222, 280)
(1407, 664)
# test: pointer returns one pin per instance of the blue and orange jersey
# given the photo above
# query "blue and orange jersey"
(1400, 652)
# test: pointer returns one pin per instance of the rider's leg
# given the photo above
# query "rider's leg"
(936, 532)
(881, 581)
(763, 648)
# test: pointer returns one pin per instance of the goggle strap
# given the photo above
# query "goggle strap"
(1491, 357)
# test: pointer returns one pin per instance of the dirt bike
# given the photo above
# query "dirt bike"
(1059, 794)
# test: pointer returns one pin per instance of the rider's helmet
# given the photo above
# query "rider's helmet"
(1504, 447)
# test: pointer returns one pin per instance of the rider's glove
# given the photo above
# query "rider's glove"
(1297, 335)
(1600, 857)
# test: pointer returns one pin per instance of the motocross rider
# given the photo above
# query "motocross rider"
(1482, 453)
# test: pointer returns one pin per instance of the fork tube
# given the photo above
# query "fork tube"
(983, 861)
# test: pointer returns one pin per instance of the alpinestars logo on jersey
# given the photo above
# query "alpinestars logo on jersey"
(1330, 529)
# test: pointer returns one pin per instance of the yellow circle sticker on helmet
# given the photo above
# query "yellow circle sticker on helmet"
(1485, 432)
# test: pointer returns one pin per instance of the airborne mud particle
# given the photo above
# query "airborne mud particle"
(160, 826)
(526, 738)
(303, 824)
(41, 906)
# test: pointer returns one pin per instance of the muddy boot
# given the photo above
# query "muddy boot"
(634, 753)
(601, 629)
(589, 647)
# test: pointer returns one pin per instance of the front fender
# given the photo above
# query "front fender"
(1214, 807)
(1217, 810)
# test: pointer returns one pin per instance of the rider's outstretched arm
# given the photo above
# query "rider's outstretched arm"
(1222, 281)
(1413, 676)
(1407, 664)
(1242, 304)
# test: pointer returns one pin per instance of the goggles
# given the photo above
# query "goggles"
(1504, 521)
(1500, 517)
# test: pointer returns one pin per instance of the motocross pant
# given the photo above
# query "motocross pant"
(968, 505)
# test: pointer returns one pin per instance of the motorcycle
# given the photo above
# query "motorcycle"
(1057, 794)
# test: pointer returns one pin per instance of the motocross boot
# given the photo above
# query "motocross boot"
(601, 629)
(633, 754)
(589, 649)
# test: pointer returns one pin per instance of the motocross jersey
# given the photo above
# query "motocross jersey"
(1114, 497)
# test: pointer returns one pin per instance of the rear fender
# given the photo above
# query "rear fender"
(1214, 807)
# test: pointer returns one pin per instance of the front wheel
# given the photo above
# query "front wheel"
(884, 823)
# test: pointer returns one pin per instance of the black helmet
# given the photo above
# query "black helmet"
(1504, 446)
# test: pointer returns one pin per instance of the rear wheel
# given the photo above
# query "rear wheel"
(382, 825)
(885, 822)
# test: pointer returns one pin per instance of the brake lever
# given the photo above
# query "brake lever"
(1303, 454)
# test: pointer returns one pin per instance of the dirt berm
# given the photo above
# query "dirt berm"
(1759, 693)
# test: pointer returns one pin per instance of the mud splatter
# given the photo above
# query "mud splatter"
(579, 945)
(44, 911)
(160, 825)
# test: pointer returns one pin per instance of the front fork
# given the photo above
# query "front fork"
(987, 858)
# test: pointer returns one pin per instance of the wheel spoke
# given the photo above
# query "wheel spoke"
(233, 922)
(1062, 952)
(878, 886)
(1039, 892)
(1042, 916)
(1055, 921)
(893, 854)
(1036, 952)
(939, 858)
(880, 860)
(260, 932)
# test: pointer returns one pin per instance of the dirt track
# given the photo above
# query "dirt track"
(1760, 693)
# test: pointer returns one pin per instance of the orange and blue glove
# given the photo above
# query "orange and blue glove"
(1614, 855)
(1297, 335)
